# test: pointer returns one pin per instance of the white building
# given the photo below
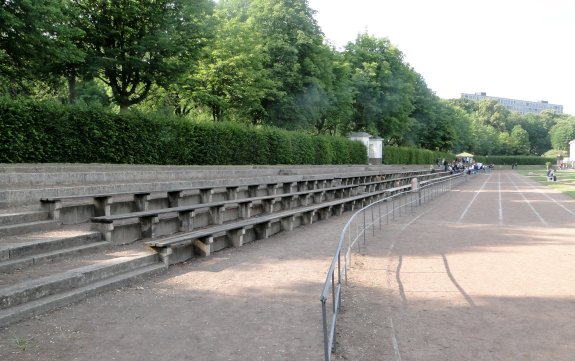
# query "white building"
(571, 158)
(516, 105)
(373, 145)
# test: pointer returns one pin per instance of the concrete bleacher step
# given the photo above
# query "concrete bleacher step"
(32, 293)
(20, 228)
(49, 303)
(11, 218)
(31, 245)
(51, 256)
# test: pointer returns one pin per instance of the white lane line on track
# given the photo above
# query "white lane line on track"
(473, 200)
(394, 340)
(392, 327)
(528, 202)
(548, 197)
(500, 203)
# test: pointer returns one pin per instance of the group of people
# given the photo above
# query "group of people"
(467, 165)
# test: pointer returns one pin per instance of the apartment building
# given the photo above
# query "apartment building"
(517, 105)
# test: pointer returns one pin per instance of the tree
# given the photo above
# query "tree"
(490, 112)
(383, 87)
(562, 133)
(231, 80)
(434, 120)
(462, 131)
(298, 62)
(519, 141)
(136, 44)
(336, 119)
(37, 43)
(539, 140)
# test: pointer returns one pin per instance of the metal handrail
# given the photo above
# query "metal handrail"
(335, 281)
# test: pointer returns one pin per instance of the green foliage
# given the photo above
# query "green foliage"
(383, 87)
(405, 155)
(562, 133)
(508, 160)
(41, 132)
(259, 62)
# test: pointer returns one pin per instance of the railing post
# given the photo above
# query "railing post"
(372, 221)
(326, 346)
(379, 217)
(363, 231)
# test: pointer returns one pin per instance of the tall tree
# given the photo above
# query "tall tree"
(562, 133)
(384, 87)
(490, 112)
(136, 44)
(37, 42)
(433, 120)
(519, 141)
(231, 80)
(296, 58)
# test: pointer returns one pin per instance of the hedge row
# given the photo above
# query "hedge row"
(404, 155)
(40, 132)
(510, 159)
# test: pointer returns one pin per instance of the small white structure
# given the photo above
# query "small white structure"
(571, 158)
(373, 145)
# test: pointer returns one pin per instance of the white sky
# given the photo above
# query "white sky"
(521, 49)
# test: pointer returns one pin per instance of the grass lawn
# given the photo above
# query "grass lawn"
(565, 179)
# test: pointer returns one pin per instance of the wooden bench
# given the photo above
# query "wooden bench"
(178, 248)
(102, 201)
(148, 219)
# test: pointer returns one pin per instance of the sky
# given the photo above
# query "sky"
(506, 48)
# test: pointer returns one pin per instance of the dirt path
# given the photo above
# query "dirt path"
(260, 302)
(485, 273)
(477, 275)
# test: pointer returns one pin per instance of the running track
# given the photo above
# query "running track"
(485, 272)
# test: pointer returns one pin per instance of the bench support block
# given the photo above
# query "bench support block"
(237, 237)
(307, 217)
(174, 198)
(148, 226)
(287, 223)
(263, 230)
(105, 229)
(141, 202)
(206, 195)
(102, 206)
(204, 247)
(53, 208)
(217, 214)
(245, 210)
(186, 219)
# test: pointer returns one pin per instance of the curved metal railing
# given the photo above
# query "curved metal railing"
(405, 200)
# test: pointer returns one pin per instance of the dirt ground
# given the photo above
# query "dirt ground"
(482, 273)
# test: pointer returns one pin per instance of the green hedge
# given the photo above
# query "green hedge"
(405, 155)
(40, 132)
(510, 159)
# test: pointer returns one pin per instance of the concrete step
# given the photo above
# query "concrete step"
(12, 218)
(48, 303)
(13, 229)
(38, 288)
(32, 245)
(22, 180)
(19, 263)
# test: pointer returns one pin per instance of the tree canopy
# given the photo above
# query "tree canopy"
(260, 62)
